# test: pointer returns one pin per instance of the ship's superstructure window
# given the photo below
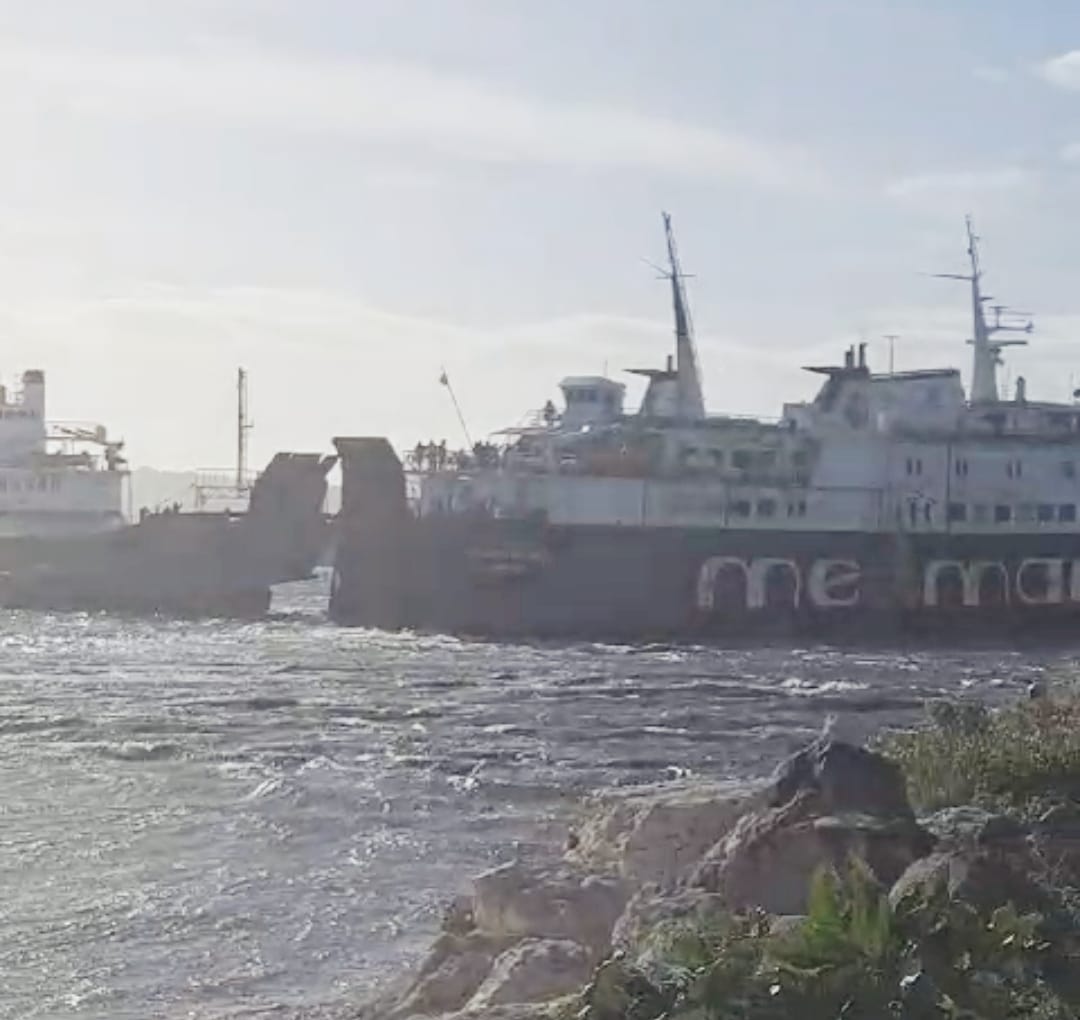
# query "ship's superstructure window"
(961, 467)
(1002, 513)
(717, 457)
(766, 508)
(980, 513)
(740, 508)
(1045, 513)
(1067, 513)
(914, 465)
(957, 511)
(1014, 468)
(1025, 513)
(742, 459)
(797, 508)
(1068, 468)
(767, 459)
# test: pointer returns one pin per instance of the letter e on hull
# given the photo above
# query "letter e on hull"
(834, 584)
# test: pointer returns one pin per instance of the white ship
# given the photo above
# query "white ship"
(891, 500)
(65, 542)
(55, 479)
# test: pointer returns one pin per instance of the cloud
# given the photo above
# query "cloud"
(958, 189)
(384, 104)
(1071, 153)
(1062, 71)
(158, 365)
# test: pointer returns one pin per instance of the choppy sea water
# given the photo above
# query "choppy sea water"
(233, 820)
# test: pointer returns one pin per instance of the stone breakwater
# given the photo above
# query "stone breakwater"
(529, 938)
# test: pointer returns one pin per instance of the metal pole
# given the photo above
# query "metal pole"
(242, 426)
(892, 338)
(239, 428)
(445, 380)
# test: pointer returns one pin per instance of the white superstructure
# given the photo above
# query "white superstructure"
(871, 453)
(54, 480)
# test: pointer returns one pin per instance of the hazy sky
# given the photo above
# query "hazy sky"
(344, 195)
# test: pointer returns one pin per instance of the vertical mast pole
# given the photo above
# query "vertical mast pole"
(242, 427)
(691, 404)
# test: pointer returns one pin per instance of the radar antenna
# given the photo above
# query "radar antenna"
(987, 347)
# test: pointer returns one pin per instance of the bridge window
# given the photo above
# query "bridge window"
(742, 459)
(740, 508)
(1002, 513)
(1014, 468)
(957, 511)
(766, 508)
(961, 467)
(717, 457)
(800, 458)
(1025, 513)
(914, 465)
(767, 459)
(1046, 513)
(980, 513)
(1067, 513)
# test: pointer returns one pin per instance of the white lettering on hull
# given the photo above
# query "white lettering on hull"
(830, 583)
(971, 575)
(1053, 593)
(761, 583)
(834, 584)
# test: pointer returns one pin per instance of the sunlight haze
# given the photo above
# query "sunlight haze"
(346, 196)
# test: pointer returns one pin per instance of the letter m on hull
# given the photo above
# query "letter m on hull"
(970, 575)
(756, 579)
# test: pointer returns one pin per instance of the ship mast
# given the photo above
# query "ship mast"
(243, 427)
(986, 348)
(688, 379)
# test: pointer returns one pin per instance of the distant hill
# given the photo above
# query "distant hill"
(153, 488)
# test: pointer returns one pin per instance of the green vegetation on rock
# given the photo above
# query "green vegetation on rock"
(967, 754)
(985, 928)
(853, 956)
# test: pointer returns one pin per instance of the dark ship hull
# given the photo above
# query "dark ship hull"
(473, 574)
(181, 564)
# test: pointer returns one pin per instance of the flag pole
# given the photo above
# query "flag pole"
(445, 380)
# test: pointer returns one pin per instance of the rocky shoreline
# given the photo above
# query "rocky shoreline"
(572, 939)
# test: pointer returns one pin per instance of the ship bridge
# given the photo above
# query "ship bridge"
(591, 400)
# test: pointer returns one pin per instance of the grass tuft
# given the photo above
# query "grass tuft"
(967, 755)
